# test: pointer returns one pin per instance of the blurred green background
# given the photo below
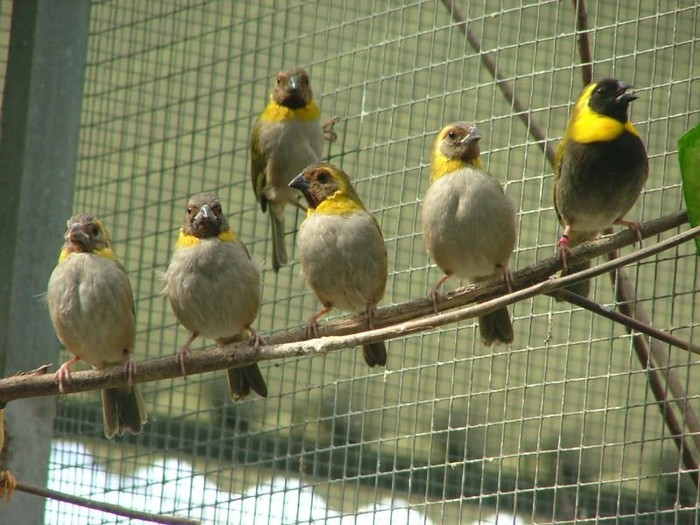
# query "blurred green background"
(171, 92)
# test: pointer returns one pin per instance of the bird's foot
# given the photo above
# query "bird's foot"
(507, 278)
(564, 251)
(63, 373)
(436, 293)
(8, 483)
(311, 331)
(184, 353)
(328, 133)
(130, 369)
(255, 338)
(632, 225)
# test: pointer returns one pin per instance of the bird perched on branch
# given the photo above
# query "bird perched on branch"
(214, 287)
(468, 221)
(342, 251)
(287, 137)
(92, 310)
(600, 168)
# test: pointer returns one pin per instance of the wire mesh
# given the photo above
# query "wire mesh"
(560, 426)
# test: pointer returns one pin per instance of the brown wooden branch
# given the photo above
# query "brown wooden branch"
(103, 507)
(629, 322)
(584, 48)
(392, 321)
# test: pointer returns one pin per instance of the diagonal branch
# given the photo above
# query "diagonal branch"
(102, 506)
(584, 48)
(489, 62)
(629, 322)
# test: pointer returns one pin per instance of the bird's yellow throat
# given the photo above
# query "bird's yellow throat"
(185, 240)
(107, 253)
(275, 112)
(441, 165)
(589, 126)
(336, 204)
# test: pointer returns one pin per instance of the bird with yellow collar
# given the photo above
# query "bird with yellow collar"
(600, 168)
(92, 310)
(468, 221)
(287, 137)
(342, 251)
(214, 287)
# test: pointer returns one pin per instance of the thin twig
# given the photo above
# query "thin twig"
(104, 507)
(489, 62)
(625, 320)
(394, 321)
(584, 48)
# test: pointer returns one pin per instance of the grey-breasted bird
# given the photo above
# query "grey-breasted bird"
(214, 287)
(342, 251)
(468, 221)
(92, 310)
(286, 137)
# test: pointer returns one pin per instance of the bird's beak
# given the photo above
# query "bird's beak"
(205, 214)
(299, 182)
(78, 235)
(294, 84)
(621, 94)
(472, 137)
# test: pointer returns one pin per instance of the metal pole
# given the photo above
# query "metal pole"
(38, 153)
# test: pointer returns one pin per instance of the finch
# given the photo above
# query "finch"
(214, 287)
(92, 310)
(287, 137)
(468, 221)
(600, 168)
(342, 251)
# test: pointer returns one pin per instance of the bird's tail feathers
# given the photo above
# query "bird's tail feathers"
(123, 409)
(496, 327)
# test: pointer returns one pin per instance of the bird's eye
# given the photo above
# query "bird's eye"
(452, 134)
(190, 209)
(95, 231)
(279, 80)
(322, 177)
(216, 209)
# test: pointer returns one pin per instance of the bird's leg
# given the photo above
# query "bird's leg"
(436, 292)
(507, 277)
(369, 312)
(563, 245)
(129, 368)
(328, 133)
(312, 324)
(255, 337)
(632, 225)
(184, 352)
(63, 373)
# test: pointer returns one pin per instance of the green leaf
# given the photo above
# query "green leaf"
(689, 158)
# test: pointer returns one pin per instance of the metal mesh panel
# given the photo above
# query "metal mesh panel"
(560, 426)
